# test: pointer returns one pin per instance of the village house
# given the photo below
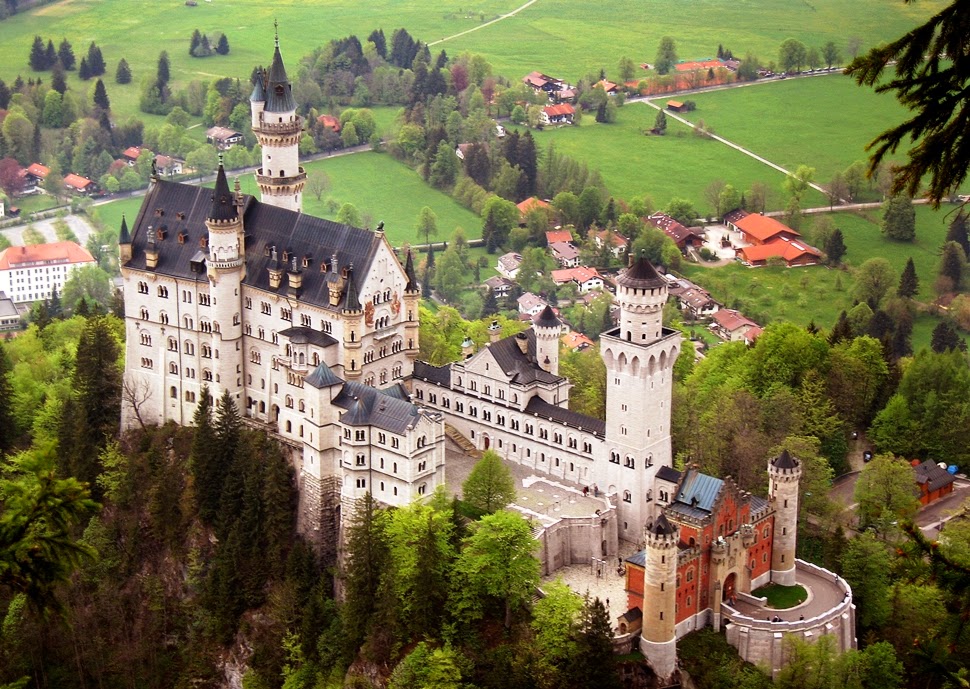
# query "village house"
(9, 316)
(222, 138)
(330, 122)
(933, 480)
(79, 184)
(608, 86)
(576, 341)
(558, 235)
(586, 279)
(531, 304)
(530, 204)
(538, 81)
(565, 253)
(794, 252)
(34, 176)
(558, 114)
(499, 286)
(31, 273)
(130, 155)
(167, 166)
(618, 243)
(730, 325)
(509, 264)
(694, 301)
(684, 237)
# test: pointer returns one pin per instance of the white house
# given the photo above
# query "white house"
(30, 273)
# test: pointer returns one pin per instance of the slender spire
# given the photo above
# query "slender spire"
(124, 237)
(412, 285)
(259, 93)
(223, 207)
(279, 96)
(352, 302)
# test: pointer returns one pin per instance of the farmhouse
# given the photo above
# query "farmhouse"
(607, 86)
(509, 264)
(794, 252)
(730, 325)
(586, 279)
(499, 285)
(758, 229)
(81, 185)
(538, 81)
(222, 138)
(684, 237)
(558, 114)
(34, 176)
(565, 254)
(130, 155)
(530, 204)
(618, 243)
(576, 341)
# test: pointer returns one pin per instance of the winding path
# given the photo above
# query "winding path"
(488, 23)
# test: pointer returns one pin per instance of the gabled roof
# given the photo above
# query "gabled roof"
(780, 247)
(699, 490)
(434, 374)
(607, 86)
(510, 261)
(529, 301)
(564, 251)
(183, 207)
(553, 236)
(76, 181)
(330, 121)
(531, 203)
(221, 133)
(668, 474)
(731, 320)
(57, 252)
(929, 474)
(37, 170)
(132, 152)
(559, 110)
(575, 340)
(761, 227)
(579, 274)
(617, 239)
(521, 367)
(672, 228)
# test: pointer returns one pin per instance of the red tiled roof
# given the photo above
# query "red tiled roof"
(58, 252)
(559, 110)
(76, 181)
(731, 320)
(763, 228)
(580, 275)
(536, 79)
(530, 203)
(576, 340)
(329, 121)
(618, 240)
(553, 236)
(607, 85)
(673, 229)
(674, 104)
(789, 250)
(38, 170)
(132, 152)
(753, 333)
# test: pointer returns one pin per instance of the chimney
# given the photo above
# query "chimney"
(523, 341)
(494, 332)
(151, 252)
(467, 347)
(295, 276)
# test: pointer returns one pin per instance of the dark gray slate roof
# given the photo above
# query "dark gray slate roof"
(547, 319)
(412, 285)
(124, 236)
(367, 406)
(540, 407)
(758, 504)
(322, 377)
(661, 526)
(932, 476)
(522, 367)
(668, 474)
(784, 461)
(223, 202)
(259, 93)
(185, 207)
(304, 335)
(397, 391)
(641, 275)
(279, 93)
(638, 558)
(434, 374)
(631, 615)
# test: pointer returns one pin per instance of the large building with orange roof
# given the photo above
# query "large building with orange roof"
(31, 273)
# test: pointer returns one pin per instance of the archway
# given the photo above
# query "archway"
(730, 584)
(485, 441)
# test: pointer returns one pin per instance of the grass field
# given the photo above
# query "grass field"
(564, 37)
(382, 189)
(819, 294)
(662, 167)
(782, 597)
(824, 122)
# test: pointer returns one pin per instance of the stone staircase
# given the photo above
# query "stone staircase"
(461, 441)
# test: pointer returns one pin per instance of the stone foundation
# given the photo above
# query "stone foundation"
(319, 514)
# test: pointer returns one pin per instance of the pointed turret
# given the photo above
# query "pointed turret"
(352, 302)
(279, 96)
(412, 285)
(259, 92)
(548, 329)
(223, 202)
(124, 242)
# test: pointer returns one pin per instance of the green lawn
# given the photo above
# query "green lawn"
(679, 164)
(817, 294)
(824, 122)
(782, 597)
(382, 189)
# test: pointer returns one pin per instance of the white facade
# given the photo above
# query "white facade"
(31, 273)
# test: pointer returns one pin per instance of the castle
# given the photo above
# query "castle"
(312, 328)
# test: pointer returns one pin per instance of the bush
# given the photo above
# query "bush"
(707, 254)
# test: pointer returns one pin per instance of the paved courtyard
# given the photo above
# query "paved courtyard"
(713, 234)
(823, 595)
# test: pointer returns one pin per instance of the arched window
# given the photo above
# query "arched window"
(173, 393)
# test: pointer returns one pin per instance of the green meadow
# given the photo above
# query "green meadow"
(823, 122)
(818, 294)
(678, 164)
(381, 188)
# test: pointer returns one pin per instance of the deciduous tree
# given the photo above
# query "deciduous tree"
(886, 493)
(490, 486)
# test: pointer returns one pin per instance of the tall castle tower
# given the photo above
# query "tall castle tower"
(278, 129)
(658, 639)
(548, 330)
(639, 357)
(412, 299)
(226, 268)
(784, 473)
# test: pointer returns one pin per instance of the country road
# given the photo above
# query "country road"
(488, 23)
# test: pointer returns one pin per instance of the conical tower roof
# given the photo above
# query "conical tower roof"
(223, 203)
(322, 377)
(641, 275)
(279, 93)
(661, 526)
(352, 302)
(259, 93)
(124, 237)
(547, 319)
(784, 461)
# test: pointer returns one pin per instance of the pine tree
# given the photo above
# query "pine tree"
(202, 457)
(83, 71)
(205, 50)
(957, 232)
(4, 95)
(593, 665)
(951, 264)
(946, 338)
(38, 55)
(428, 274)
(367, 556)
(835, 247)
(8, 427)
(842, 331)
(50, 55)
(65, 53)
(95, 60)
(194, 42)
(123, 73)
(380, 42)
(101, 96)
(222, 47)
(908, 281)
(56, 309)
(162, 73)
(58, 83)
(490, 305)
(528, 162)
